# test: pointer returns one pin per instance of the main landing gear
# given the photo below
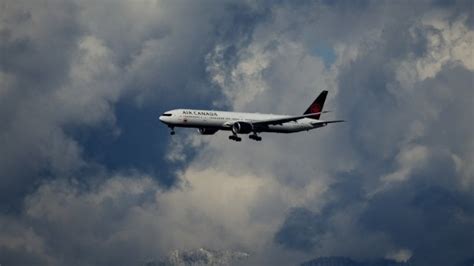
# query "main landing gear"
(238, 139)
(235, 138)
(255, 137)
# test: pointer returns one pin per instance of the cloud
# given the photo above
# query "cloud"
(395, 181)
(70, 72)
(395, 138)
(446, 42)
(131, 215)
(32, 141)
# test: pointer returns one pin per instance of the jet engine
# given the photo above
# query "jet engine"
(242, 127)
(207, 131)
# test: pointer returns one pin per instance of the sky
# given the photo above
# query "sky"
(88, 175)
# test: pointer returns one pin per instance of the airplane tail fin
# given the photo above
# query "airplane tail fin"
(317, 105)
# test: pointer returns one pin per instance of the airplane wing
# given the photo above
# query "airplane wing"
(280, 121)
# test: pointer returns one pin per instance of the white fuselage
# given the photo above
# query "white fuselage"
(224, 120)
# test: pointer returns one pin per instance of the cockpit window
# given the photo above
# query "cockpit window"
(165, 114)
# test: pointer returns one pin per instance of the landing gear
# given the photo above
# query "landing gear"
(235, 138)
(172, 131)
(255, 137)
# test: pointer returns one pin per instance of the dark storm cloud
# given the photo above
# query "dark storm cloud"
(425, 205)
(427, 215)
(32, 66)
(65, 72)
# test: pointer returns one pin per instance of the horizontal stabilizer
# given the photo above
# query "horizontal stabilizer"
(327, 122)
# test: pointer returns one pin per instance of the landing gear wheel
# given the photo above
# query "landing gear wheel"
(235, 138)
(172, 131)
(255, 137)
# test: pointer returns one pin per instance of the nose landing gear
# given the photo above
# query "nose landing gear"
(172, 132)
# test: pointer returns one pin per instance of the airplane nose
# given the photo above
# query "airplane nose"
(165, 118)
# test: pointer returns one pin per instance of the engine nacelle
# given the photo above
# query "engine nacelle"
(207, 131)
(242, 128)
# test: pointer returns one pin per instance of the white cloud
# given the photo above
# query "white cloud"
(448, 42)
(401, 255)
(408, 159)
(211, 208)
(94, 85)
(21, 238)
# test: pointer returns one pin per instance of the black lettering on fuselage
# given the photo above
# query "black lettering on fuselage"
(203, 113)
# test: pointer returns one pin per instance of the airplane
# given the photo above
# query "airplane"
(208, 122)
